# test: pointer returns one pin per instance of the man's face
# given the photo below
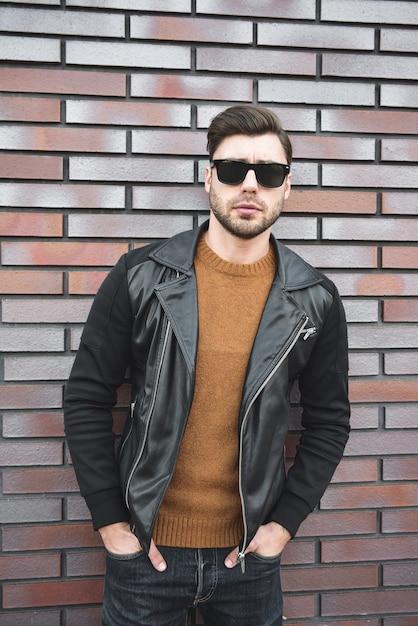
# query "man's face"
(247, 209)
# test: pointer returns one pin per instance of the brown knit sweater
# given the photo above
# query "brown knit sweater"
(202, 506)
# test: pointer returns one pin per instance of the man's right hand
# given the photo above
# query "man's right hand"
(119, 539)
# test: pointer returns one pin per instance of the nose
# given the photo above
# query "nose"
(250, 181)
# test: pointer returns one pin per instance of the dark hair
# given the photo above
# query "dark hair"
(246, 119)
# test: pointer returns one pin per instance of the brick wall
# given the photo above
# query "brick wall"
(104, 106)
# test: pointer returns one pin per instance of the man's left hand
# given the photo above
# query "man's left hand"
(269, 540)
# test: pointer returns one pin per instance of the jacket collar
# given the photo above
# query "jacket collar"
(178, 252)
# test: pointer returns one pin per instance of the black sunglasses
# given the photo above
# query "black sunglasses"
(232, 172)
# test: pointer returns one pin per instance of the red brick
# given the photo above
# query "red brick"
(30, 566)
(401, 416)
(382, 443)
(37, 618)
(77, 509)
(366, 496)
(322, 148)
(327, 524)
(376, 284)
(400, 311)
(36, 80)
(21, 595)
(37, 367)
(382, 12)
(128, 226)
(400, 574)
(65, 196)
(31, 49)
(342, 175)
(370, 549)
(191, 29)
(191, 87)
(39, 481)
(356, 470)
(405, 468)
(50, 537)
(29, 109)
(62, 139)
(346, 121)
(400, 621)
(299, 10)
(366, 66)
(62, 253)
(85, 563)
(384, 391)
(33, 425)
(329, 577)
(314, 36)
(372, 602)
(78, 616)
(254, 61)
(28, 453)
(299, 553)
(22, 282)
(85, 283)
(399, 150)
(317, 201)
(33, 510)
(401, 363)
(300, 606)
(400, 257)
(30, 225)
(399, 203)
(400, 521)
(28, 166)
(104, 53)
(63, 23)
(127, 113)
(30, 397)
(132, 169)
(312, 92)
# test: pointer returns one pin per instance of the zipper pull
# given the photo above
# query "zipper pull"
(309, 332)
(241, 561)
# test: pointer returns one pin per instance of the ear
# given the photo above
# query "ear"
(208, 178)
(287, 186)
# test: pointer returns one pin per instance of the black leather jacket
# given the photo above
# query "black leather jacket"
(145, 317)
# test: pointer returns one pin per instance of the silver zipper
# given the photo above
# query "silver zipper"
(150, 410)
(307, 333)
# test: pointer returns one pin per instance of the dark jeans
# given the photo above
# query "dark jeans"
(135, 594)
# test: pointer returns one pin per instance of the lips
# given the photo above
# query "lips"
(247, 208)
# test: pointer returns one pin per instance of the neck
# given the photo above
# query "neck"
(235, 249)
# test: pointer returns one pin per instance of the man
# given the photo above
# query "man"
(215, 324)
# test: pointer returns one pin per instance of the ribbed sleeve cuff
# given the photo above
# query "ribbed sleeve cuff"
(290, 512)
(107, 507)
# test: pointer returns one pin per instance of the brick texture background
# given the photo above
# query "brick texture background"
(104, 105)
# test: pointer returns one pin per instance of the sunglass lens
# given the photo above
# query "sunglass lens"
(231, 172)
(270, 174)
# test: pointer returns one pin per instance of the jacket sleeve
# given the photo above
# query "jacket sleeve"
(323, 388)
(99, 369)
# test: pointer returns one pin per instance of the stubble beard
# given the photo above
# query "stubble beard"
(244, 226)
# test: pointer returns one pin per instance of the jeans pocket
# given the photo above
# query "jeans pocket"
(266, 559)
(124, 557)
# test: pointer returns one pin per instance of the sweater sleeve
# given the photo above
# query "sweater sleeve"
(99, 369)
(323, 387)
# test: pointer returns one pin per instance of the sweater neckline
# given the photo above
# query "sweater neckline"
(206, 255)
